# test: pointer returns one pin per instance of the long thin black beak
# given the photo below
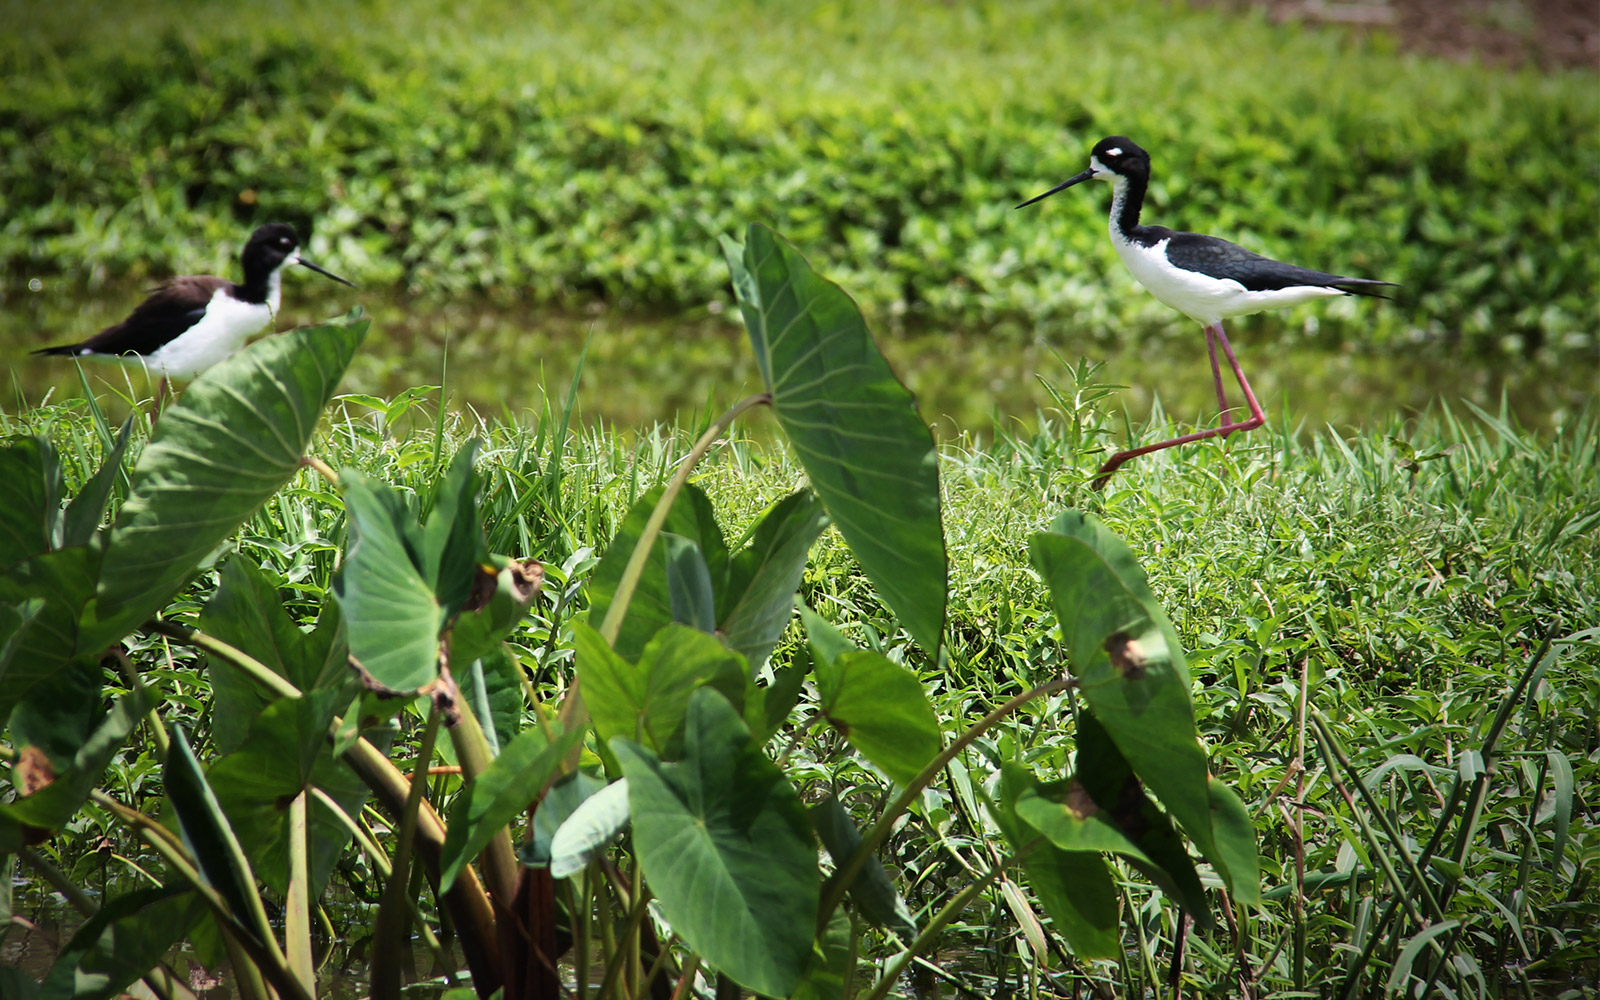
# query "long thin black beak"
(1086, 175)
(323, 271)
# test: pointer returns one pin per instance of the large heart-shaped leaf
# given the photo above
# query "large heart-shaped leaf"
(879, 706)
(123, 940)
(1103, 808)
(726, 847)
(209, 837)
(872, 890)
(564, 798)
(390, 609)
(53, 805)
(756, 600)
(1075, 887)
(64, 580)
(285, 753)
(648, 701)
(751, 590)
(232, 440)
(852, 424)
(691, 518)
(247, 614)
(592, 825)
(1130, 668)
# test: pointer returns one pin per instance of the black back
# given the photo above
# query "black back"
(1218, 258)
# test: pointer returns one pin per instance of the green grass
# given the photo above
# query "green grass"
(1405, 576)
(569, 153)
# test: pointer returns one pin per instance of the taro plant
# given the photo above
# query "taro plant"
(648, 821)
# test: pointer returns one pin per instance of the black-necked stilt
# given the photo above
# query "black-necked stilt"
(192, 322)
(1205, 278)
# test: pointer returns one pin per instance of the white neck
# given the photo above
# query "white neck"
(274, 290)
(1119, 199)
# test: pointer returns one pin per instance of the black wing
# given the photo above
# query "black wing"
(171, 309)
(1220, 259)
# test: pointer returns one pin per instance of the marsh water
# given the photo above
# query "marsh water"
(642, 370)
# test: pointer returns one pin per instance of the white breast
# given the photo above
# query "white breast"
(227, 324)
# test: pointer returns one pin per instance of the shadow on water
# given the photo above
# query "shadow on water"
(641, 371)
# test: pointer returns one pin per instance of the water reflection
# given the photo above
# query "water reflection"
(502, 360)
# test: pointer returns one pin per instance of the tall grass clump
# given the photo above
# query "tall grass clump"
(1391, 636)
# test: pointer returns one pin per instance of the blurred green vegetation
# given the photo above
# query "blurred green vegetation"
(568, 153)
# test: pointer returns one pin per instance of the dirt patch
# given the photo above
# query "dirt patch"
(1547, 34)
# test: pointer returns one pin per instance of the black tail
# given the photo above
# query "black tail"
(67, 350)
(1365, 286)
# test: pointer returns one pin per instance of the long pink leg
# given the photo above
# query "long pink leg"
(1257, 418)
(1216, 373)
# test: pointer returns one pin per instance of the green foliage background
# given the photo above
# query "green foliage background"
(567, 152)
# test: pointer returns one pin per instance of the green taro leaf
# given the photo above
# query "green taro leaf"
(497, 796)
(726, 847)
(689, 584)
(558, 804)
(30, 498)
(1236, 842)
(209, 837)
(751, 591)
(232, 440)
(648, 701)
(883, 711)
(450, 544)
(247, 614)
(65, 581)
(593, 824)
(1130, 668)
(827, 975)
(692, 518)
(126, 938)
(756, 601)
(493, 687)
(1075, 887)
(1104, 808)
(52, 806)
(60, 712)
(389, 606)
(852, 424)
(285, 752)
(879, 706)
(873, 890)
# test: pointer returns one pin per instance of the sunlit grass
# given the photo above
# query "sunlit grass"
(1406, 576)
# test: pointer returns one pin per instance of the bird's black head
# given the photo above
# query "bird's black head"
(274, 245)
(1118, 154)
(270, 247)
(1113, 157)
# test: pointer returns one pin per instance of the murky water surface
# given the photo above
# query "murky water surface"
(639, 371)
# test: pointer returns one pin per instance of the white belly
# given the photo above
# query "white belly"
(1201, 297)
(227, 324)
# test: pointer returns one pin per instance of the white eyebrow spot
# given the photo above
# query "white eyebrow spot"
(1117, 151)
